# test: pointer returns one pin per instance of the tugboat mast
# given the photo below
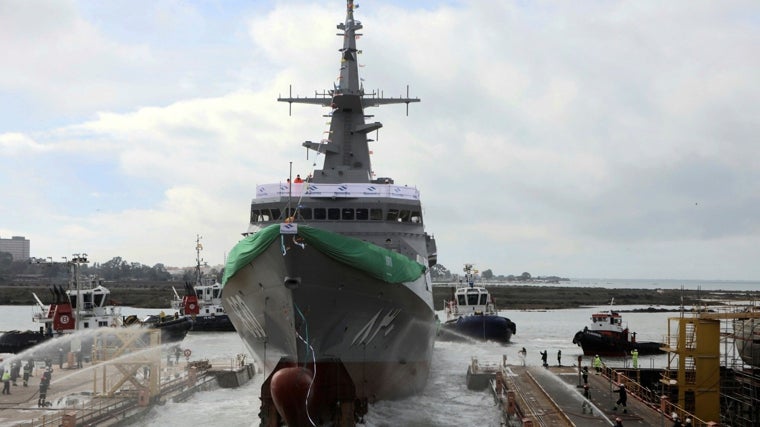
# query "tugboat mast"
(198, 259)
(345, 148)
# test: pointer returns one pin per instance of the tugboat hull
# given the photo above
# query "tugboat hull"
(605, 345)
(218, 323)
(479, 327)
(19, 341)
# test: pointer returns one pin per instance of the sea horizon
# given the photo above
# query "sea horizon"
(690, 284)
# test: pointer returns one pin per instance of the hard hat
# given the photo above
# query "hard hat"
(674, 416)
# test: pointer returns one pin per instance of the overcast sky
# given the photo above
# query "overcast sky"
(581, 139)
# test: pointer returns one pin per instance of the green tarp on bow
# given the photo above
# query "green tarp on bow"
(378, 262)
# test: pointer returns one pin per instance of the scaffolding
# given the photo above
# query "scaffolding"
(135, 355)
(715, 383)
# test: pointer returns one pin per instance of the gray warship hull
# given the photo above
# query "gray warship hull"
(382, 333)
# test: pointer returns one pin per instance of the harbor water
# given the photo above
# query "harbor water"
(445, 401)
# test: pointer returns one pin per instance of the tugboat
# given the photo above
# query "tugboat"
(330, 288)
(202, 301)
(85, 305)
(605, 336)
(17, 341)
(473, 315)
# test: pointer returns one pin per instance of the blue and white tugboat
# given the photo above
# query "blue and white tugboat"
(473, 315)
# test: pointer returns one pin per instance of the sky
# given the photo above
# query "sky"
(580, 139)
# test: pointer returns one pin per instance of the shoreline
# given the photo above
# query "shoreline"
(544, 297)
(512, 297)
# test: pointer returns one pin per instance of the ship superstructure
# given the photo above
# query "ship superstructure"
(330, 288)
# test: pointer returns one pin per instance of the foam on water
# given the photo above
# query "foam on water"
(445, 401)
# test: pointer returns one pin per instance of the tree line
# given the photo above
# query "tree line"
(440, 273)
(116, 269)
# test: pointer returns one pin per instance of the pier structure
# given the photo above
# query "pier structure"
(127, 373)
(558, 396)
(712, 379)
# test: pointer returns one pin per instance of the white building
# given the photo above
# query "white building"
(17, 246)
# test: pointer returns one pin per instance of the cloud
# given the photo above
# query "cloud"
(580, 140)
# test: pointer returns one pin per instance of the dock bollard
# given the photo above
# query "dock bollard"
(143, 396)
(192, 376)
(511, 402)
(664, 400)
(69, 419)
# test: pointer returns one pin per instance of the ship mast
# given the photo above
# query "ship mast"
(345, 148)
(198, 260)
(74, 282)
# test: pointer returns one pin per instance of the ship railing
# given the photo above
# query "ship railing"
(669, 408)
(95, 410)
(652, 398)
(39, 314)
(337, 190)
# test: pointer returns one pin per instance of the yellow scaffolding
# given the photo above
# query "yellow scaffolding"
(693, 346)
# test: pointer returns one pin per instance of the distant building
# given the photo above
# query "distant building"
(17, 246)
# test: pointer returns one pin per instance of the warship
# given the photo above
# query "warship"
(330, 288)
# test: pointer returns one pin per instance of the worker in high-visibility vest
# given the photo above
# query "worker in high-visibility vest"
(597, 364)
(635, 357)
(6, 381)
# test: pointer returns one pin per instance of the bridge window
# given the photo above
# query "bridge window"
(483, 299)
(362, 214)
(333, 214)
(392, 215)
(320, 213)
(472, 299)
(265, 215)
(405, 216)
(376, 214)
(461, 300)
(416, 217)
(305, 213)
(348, 214)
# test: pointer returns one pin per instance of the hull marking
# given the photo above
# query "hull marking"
(385, 323)
(249, 320)
(366, 329)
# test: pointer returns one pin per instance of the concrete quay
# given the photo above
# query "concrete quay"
(554, 396)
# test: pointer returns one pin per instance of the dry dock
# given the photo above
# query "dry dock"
(556, 396)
